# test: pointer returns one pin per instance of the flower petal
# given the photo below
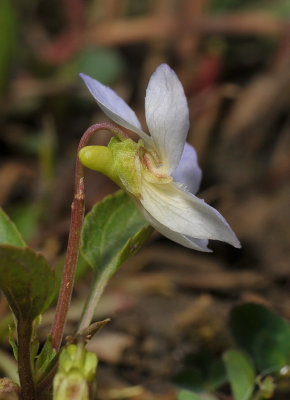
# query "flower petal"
(188, 172)
(167, 115)
(184, 213)
(115, 107)
(191, 243)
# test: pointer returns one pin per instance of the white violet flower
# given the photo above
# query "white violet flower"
(161, 171)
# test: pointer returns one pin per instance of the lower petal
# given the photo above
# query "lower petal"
(191, 243)
(185, 214)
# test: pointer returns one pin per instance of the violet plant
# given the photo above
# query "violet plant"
(159, 177)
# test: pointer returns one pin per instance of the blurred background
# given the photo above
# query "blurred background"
(233, 58)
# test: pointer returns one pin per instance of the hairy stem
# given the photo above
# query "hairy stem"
(24, 331)
(77, 215)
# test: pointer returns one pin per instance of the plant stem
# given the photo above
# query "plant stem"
(77, 215)
(24, 331)
(93, 299)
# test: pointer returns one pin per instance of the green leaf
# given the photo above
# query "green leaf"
(202, 372)
(190, 378)
(188, 395)
(113, 231)
(34, 342)
(108, 231)
(241, 374)
(263, 334)
(217, 375)
(8, 231)
(44, 359)
(26, 280)
(12, 343)
(26, 219)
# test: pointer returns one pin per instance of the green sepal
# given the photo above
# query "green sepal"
(127, 163)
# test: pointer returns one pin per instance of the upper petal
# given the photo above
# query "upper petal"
(167, 115)
(188, 171)
(184, 213)
(114, 106)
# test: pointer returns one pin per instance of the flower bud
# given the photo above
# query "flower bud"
(76, 373)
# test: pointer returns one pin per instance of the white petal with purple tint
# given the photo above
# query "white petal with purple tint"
(188, 171)
(114, 106)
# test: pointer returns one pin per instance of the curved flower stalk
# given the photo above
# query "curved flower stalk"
(161, 171)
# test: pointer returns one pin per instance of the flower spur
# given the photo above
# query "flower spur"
(161, 171)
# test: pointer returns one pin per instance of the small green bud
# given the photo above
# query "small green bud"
(70, 386)
(90, 366)
(76, 373)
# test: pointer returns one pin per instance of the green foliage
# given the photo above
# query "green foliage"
(188, 395)
(27, 281)
(113, 231)
(46, 356)
(8, 231)
(34, 342)
(12, 343)
(263, 334)
(202, 372)
(241, 374)
(259, 333)
(26, 219)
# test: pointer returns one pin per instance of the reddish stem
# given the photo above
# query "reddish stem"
(77, 216)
